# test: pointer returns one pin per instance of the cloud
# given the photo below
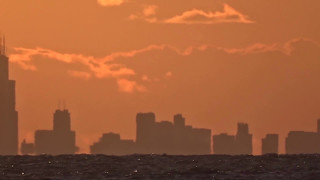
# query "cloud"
(148, 14)
(102, 68)
(105, 67)
(168, 74)
(150, 10)
(145, 78)
(108, 67)
(114, 65)
(110, 2)
(128, 86)
(259, 48)
(196, 16)
(79, 74)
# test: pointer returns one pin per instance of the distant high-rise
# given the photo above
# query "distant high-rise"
(60, 140)
(27, 148)
(241, 143)
(224, 144)
(61, 121)
(8, 113)
(179, 120)
(146, 132)
(243, 139)
(270, 144)
(318, 124)
(301, 142)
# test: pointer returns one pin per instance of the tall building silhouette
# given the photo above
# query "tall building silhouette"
(243, 139)
(60, 140)
(145, 132)
(318, 125)
(8, 113)
(270, 144)
(241, 143)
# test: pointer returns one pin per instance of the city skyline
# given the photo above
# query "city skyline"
(217, 62)
(165, 137)
(152, 137)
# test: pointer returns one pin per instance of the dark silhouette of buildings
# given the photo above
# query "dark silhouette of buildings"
(60, 140)
(27, 148)
(158, 138)
(243, 139)
(270, 144)
(170, 138)
(8, 114)
(300, 142)
(224, 144)
(241, 143)
(111, 144)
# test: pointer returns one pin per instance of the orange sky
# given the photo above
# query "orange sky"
(218, 62)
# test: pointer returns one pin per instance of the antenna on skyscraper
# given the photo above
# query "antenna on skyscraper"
(1, 44)
(4, 45)
(64, 105)
(59, 105)
(3, 48)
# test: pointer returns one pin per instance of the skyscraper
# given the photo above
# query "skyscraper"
(60, 140)
(270, 144)
(241, 143)
(243, 139)
(8, 113)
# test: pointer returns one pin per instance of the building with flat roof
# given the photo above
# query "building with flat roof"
(224, 144)
(301, 142)
(270, 144)
(112, 144)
